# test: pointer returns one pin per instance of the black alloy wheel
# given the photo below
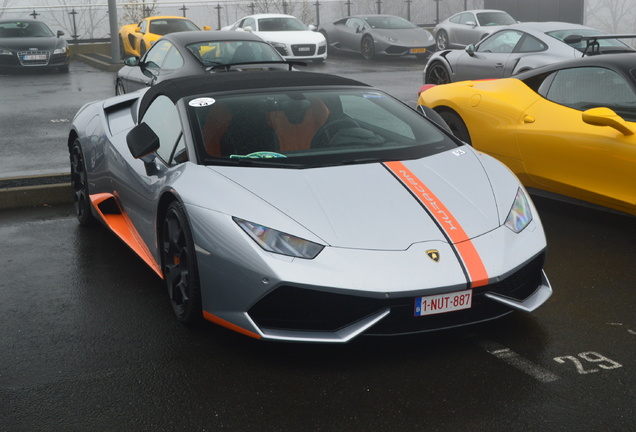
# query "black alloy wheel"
(437, 74)
(79, 184)
(179, 263)
(367, 47)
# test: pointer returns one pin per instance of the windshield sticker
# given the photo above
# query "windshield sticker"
(458, 152)
(201, 102)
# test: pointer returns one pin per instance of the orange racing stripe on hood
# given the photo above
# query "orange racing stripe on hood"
(477, 273)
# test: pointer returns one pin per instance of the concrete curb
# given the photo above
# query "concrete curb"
(99, 61)
(38, 191)
(97, 55)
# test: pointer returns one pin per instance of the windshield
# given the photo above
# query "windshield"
(308, 128)
(604, 43)
(165, 26)
(24, 29)
(211, 53)
(388, 22)
(495, 19)
(280, 24)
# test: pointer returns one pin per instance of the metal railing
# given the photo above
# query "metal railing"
(90, 21)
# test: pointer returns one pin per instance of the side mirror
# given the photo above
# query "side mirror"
(248, 29)
(131, 61)
(470, 49)
(137, 29)
(606, 117)
(207, 28)
(143, 142)
(312, 27)
(60, 33)
(471, 23)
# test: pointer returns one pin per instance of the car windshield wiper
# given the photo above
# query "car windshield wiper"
(362, 161)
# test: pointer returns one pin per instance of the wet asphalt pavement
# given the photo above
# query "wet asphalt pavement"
(89, 341)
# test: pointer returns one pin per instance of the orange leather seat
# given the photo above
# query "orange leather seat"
(216, 123)
(294, 129)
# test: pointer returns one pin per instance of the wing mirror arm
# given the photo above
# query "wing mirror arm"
(607, 117)
(143, 142)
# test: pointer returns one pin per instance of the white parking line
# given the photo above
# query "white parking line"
(517, 361)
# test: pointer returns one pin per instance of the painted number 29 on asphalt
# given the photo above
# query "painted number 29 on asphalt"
(590, 357)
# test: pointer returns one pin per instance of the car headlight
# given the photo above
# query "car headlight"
(277, 44)
(60, 50)
(5, 52)
(520, 215)
(278, 242)
(391, 39)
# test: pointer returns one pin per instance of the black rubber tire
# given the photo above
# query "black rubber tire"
(437, 74)
(441, 40)
(179, 265)
(122, 50)
(119, 88)
(456, 125)
(79, 184)
(367, 47)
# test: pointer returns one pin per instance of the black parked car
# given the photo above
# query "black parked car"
(30, 43)
(196, 53)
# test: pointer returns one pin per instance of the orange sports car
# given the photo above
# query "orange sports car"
(568, 129)
(135, 39)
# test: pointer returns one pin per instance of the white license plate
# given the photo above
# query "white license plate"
(34, 57)
(442, 303)
(304, 49)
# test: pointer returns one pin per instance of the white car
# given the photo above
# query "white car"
(293, 39)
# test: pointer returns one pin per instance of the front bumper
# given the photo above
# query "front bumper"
(36, 59)
(344, 293)
(297, 314)
(302, 51)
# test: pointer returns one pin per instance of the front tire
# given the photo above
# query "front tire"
(441, 40)
(437, 74)
(119, 88)
(122, 50)
(367, 47)
(456, 125)
(179, 264)
(79, 184)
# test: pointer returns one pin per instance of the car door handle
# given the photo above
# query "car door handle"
(498, 65)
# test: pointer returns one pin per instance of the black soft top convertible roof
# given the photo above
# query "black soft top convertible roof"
(179, 88)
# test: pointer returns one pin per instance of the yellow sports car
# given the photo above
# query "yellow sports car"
(567, 129)
(135, 39)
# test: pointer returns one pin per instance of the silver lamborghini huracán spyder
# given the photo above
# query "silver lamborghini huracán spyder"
(307, 207)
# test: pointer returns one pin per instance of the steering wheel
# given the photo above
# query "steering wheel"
(325, 135)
